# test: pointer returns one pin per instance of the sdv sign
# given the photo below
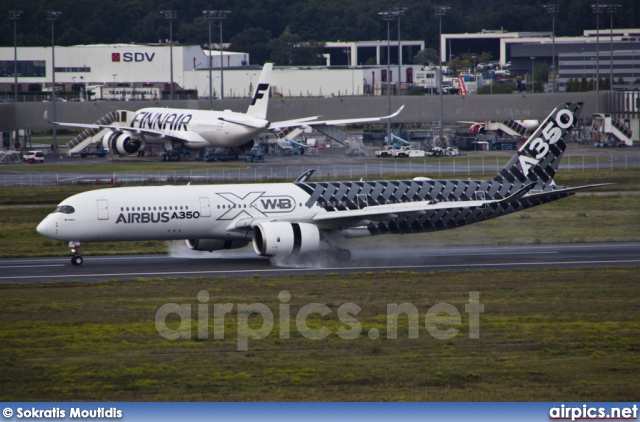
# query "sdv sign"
(137, 57)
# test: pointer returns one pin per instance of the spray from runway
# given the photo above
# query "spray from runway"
(179, 249)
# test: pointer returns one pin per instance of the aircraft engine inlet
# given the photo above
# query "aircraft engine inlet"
(121, 143)
(211, 245)
(282, 238)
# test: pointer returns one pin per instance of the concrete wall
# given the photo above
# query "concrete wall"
(418, 109)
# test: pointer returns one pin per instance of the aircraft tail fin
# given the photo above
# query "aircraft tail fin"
(260, 99)
(538, 159)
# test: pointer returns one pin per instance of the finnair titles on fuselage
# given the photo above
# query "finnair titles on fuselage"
(161, 120)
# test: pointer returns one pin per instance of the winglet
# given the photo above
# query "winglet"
(396, 113)
(304, 176)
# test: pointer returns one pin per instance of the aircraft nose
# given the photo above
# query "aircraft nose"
(46, 227)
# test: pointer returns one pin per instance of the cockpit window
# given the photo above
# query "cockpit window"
(65, 209)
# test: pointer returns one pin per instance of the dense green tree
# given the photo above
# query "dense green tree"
(126, 21)
(426, 56)
(254, 41)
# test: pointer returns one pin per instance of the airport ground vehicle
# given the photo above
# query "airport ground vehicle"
(220, 155)
(33, 157)
(408, 152)
(175, 155)
(255, 155)
(95, 153)
(443, 152)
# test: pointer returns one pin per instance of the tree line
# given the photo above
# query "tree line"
(269, 29)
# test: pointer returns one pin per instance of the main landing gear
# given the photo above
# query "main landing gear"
(343, 255)
(76, 258)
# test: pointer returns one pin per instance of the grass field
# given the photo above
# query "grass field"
(572, 335)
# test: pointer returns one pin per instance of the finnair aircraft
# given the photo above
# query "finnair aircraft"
(204, 128)
(305, 217)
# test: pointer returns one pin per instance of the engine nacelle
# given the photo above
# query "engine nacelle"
(121, 143)
(281, 238)
(211, 245)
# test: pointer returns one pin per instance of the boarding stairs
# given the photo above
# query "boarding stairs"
(94, 135)
(334, 133)
(604, 123)
(510, 127)
(9, 157)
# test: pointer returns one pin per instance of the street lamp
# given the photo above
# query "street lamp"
(440, 11)
(53, 16)
(14, 15)
(218, 15)
(553, 9)
(611, 9)
(251, 83)
(597, 9)
(399, 13)
(114, 79)
(171, 15)
(532, 69)
(388, 17)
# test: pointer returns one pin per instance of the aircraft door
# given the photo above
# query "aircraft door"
(103, 209)
(205, 207)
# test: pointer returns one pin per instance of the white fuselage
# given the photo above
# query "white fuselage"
(201, 128)
(173, 212)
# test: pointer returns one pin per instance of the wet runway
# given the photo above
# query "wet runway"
(244, 263)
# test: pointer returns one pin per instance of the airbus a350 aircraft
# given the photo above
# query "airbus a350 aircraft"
(305, 217)
(204, 128)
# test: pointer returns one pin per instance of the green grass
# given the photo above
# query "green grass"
(546, 334)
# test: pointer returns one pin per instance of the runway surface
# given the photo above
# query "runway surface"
(245, 263)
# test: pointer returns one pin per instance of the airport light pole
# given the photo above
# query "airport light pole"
(611, 9)
(251, 83)
(208, 16)
(14, 15)
(218, 15)
(533, 84)
(553, 10)
(440, 11)
(53, 16)
(388, 16)
(597, 9)
(399, 13)
(170, 15)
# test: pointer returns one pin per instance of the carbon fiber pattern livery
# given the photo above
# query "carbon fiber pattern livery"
(535, 163)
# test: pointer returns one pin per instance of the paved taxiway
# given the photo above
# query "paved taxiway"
(245, 263)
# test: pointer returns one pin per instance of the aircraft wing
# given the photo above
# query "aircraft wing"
(175, 135)
(311, 121)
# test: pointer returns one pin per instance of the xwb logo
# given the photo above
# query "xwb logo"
(253, 204)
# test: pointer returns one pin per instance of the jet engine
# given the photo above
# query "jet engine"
(211, 245)
(121, 143)
(281, 238)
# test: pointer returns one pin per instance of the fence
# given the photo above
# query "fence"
(456, 167)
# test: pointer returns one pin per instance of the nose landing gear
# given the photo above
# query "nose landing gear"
(76, 258)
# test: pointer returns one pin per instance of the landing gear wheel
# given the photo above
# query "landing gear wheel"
(76, 260)
(343, 255)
